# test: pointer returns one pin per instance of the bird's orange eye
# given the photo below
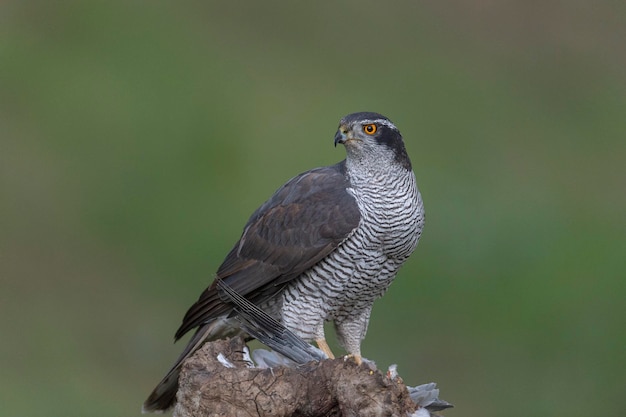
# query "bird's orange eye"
(370, 129)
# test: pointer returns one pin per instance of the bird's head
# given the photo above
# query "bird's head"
(371, 135)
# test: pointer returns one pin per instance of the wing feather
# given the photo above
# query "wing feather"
(304, 221)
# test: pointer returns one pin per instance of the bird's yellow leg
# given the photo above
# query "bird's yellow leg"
(321, 343)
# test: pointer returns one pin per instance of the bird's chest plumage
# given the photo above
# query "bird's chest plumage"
(391, 219)
(361, 269)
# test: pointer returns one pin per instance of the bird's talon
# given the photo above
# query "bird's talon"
(357, 358)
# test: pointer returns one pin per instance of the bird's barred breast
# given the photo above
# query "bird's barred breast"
(361, 269)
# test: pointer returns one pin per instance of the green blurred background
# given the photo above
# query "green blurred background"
(137, 137)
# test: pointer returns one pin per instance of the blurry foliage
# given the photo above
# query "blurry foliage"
(136, 138)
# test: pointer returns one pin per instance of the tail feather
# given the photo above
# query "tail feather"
(164, 395)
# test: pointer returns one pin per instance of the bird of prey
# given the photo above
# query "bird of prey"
(324, 247)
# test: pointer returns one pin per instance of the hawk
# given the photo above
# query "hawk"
(324, 247)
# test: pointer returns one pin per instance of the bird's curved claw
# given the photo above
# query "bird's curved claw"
(357, 358)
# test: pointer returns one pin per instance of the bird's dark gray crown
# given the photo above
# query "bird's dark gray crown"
(387, 133)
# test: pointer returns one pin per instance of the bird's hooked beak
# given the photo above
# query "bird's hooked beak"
(342, 135)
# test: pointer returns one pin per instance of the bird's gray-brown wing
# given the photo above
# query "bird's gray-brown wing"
(304, 221)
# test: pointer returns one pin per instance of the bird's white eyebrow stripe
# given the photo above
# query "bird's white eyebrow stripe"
(380, 122)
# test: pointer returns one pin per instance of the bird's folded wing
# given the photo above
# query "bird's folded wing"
(304, 221)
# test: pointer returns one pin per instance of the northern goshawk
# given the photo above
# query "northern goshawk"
(325, 246)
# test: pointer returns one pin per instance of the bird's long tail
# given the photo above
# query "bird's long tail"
(164, 395)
